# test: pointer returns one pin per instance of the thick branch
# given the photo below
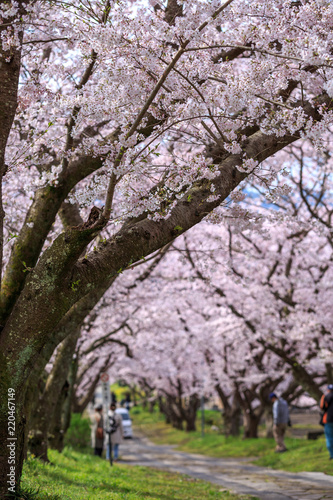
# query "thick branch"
(62, 280)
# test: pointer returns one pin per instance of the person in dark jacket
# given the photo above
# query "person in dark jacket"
(97, 431)
(280, 421)
(326, 404)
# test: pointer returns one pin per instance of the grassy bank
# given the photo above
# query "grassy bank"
(81, 476)
(302, 455)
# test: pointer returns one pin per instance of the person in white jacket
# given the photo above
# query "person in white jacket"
(117, 433)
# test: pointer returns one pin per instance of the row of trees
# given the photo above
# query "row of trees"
(123, 125)
(224, 311)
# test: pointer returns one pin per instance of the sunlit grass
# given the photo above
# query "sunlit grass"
(82, 476)
(302, 454)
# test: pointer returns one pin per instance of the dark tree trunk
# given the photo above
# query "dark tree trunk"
(251, 423)
(232, 421)
(68, 406)
(268, 421)
(162, 409)
(62, 413)
(148, 401)
(177, 414)
(38, 440)
(178, 411)
(13, 436)
(232, 416)
(9, 77)
(34, 387)
(134, 396)
(231, 411)
(56, 432)
(236, 423)
(329, 372)
(170, 408)
(176, 421)
(190, 412)
(151, 405)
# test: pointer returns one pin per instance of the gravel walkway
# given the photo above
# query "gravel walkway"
(236, 475)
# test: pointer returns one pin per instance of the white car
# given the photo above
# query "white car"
(127, 422)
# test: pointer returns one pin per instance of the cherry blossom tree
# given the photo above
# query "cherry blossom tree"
(278, 282)
(285, 307)
(184, 345)
(241, 387)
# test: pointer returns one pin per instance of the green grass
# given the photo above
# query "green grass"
(302, 455)
(78, 434)
(81, 476)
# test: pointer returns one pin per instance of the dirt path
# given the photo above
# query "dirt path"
(236, 475)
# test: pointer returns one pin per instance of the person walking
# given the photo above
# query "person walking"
(116, 431)
(97, 431)
(280, 421)
(326, 404)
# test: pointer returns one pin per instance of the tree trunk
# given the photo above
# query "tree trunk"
(231, 412)
(34, 387)
(232, 421)
(12, 414)
(56, 431)
(38, 441)
(161, 407)
(63, 410)
(151, 405)
(9, 77)
(68, 407)
(190, 412)
(251, 423)
(232, 416)
(236, 422)
(68, 328)
(174, 416)
(169, 407)
(329, 372)
(25, 405)
(134, 396)
(190, 425)
(179, 410)
(268, 421)
(176, 421)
